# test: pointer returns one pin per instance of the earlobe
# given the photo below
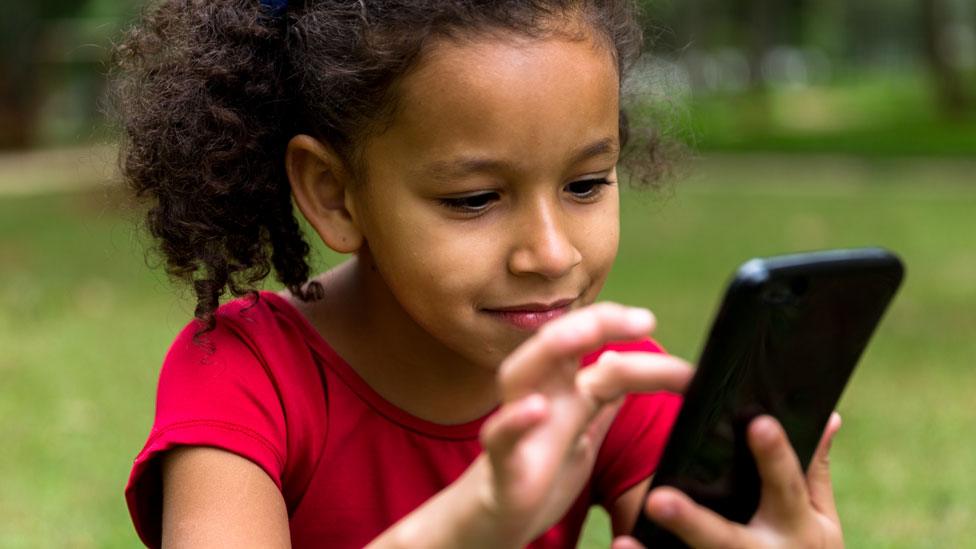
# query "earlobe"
(320, 183)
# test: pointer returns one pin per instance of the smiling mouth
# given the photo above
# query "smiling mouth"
(531, 316)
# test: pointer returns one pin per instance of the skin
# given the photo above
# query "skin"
(492, 189)
(538, 225)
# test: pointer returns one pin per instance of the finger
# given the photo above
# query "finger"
(626, 542)
(784, 491)
(696, 525)
(818, 474)
(510, 423)
(616, 374)
(565, 340)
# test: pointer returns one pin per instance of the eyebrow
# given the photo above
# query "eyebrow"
(467, 165)
(605, 146)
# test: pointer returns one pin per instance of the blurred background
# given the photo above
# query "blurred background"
(810, 124)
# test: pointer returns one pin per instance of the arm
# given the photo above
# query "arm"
(212, 498)
(215, 498)
(623, 514)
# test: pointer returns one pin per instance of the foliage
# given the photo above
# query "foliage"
(21, 36)
(878, 114)
(53, 54)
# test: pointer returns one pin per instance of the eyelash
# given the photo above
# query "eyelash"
(472, 204)
(477, 203)
(597, 188)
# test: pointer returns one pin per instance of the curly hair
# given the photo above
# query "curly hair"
(209, 92)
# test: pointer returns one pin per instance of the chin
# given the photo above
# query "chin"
(491, 356)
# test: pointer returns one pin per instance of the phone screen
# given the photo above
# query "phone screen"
(784, 345)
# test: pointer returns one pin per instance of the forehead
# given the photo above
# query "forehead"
(506, 96)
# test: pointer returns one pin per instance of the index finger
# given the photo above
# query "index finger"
(567, 339)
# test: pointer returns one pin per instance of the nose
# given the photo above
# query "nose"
(542, 244)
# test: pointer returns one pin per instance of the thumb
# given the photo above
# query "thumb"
(509, 424)
(818, 473)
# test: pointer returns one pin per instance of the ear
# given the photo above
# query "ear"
(321, 183)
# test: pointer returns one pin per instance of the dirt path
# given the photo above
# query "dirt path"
(46, 171)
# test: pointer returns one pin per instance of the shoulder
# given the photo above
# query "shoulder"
(250, 371)
(254, 378)
(250, 387)
(258, 327)
(233, 383)
(243, 318)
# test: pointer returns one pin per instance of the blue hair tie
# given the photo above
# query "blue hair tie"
(275, 8)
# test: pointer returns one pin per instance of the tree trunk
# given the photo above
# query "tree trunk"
(762, 22)
(948, 82)
(18, 109)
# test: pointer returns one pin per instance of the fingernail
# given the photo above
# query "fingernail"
(834, 423)
(666, 510)
(534, 403)
(766, 429)
(639, 318)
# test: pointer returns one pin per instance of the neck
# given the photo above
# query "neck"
(365, 324)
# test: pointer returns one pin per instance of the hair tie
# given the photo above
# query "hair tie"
(275, 8)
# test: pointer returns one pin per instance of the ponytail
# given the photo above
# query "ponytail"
(200, 96)
(209, 92)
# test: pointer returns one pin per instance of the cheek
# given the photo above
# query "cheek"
(450, 269)
(431, 263)
(601, 240)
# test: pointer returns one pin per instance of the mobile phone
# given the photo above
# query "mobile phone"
(784, 342)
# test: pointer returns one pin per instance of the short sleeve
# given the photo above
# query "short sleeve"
(636, 439)
(633, 446)
(218, 393)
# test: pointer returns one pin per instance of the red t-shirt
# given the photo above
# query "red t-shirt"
(349, 464)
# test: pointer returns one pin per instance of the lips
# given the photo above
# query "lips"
(531, 316)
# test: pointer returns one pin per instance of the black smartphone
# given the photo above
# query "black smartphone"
(784, 342)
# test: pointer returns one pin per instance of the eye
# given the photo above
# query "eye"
(588, 189)
(475, 203)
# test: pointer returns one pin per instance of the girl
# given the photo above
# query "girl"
(427, 392)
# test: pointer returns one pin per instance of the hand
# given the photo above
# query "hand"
(795, 510)
(543, 441)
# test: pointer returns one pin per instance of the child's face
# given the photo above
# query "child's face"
(490, 204)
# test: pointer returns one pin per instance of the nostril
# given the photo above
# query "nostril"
(546, 257)
(544, 243)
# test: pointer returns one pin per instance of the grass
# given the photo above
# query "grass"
(84, 325)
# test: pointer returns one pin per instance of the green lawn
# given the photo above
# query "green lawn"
(84, 325)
